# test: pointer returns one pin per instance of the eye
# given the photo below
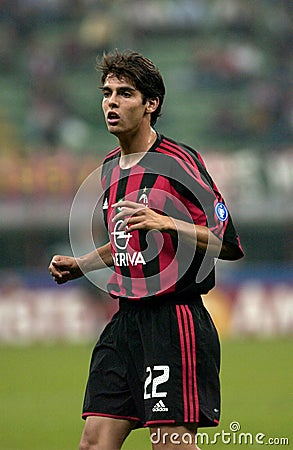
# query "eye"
(126, 94)
(106, 94)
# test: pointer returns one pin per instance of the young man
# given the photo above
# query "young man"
(156, 363)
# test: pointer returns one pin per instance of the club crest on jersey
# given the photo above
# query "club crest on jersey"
(221, 211)
(144, 198)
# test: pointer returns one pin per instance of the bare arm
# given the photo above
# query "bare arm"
(138, 217)
(66, 268)
(205, 240)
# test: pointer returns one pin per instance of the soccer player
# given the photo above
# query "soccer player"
(156, 363)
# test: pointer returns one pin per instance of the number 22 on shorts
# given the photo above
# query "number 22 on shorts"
(152, 382)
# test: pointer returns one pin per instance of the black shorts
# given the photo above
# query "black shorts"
(156, 363)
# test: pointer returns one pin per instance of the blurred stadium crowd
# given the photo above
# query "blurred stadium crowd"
(228, 69)
(242, 47)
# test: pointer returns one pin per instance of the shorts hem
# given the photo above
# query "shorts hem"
(111, 416)
(157, 422)
(210, 423)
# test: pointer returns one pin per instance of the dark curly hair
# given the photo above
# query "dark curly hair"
(140, 70)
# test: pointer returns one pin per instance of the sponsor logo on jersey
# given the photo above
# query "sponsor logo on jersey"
(221, 211)
(121, 241)
(160, 407)
(127, 259)
(121, 237)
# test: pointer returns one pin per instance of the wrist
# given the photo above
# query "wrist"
(169, 226)
(83, 264)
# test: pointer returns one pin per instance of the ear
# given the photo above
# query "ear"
(152, 104)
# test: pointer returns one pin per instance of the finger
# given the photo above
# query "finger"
(127, 220)
(56, 258)
(126, 203)
(57, 271)
(133, 223)
(124, 225)
(62, 277)
(53, 271)
(56, 266)
(135, 219)
(136, 226)
(58, 262)
(56, 276)
(123, 213)
(129, 212)
(59, 280)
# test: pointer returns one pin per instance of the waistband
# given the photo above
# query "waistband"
(186, 297)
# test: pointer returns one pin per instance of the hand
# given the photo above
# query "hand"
(64, 268)
(136, 216)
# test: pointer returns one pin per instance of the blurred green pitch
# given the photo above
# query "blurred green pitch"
(41, 394)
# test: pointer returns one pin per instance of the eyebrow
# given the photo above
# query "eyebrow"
(120, 89)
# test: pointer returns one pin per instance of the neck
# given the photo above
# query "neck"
(134, 149)
(139, 142)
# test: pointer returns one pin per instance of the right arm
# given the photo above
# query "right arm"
(66, 268)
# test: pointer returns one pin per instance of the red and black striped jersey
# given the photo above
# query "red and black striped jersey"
(172, 179)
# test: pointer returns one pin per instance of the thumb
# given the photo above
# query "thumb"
(57, 260)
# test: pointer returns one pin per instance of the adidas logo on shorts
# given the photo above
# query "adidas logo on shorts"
(160, 406)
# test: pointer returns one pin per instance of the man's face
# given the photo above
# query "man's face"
(122, 105)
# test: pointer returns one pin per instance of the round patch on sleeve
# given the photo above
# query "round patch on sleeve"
(221, 211)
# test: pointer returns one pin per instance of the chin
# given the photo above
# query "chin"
(114, 132)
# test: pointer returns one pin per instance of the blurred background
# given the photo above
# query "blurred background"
(228, 69)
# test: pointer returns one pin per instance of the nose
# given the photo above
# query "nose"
(113, 100)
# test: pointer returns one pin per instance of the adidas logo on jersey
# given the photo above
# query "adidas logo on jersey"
(105, 204)
(160, 406)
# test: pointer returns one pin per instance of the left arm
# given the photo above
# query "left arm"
(135, 216)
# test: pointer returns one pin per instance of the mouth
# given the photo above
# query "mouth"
(113, 118)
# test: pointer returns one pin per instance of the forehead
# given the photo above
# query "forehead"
(113, 80)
